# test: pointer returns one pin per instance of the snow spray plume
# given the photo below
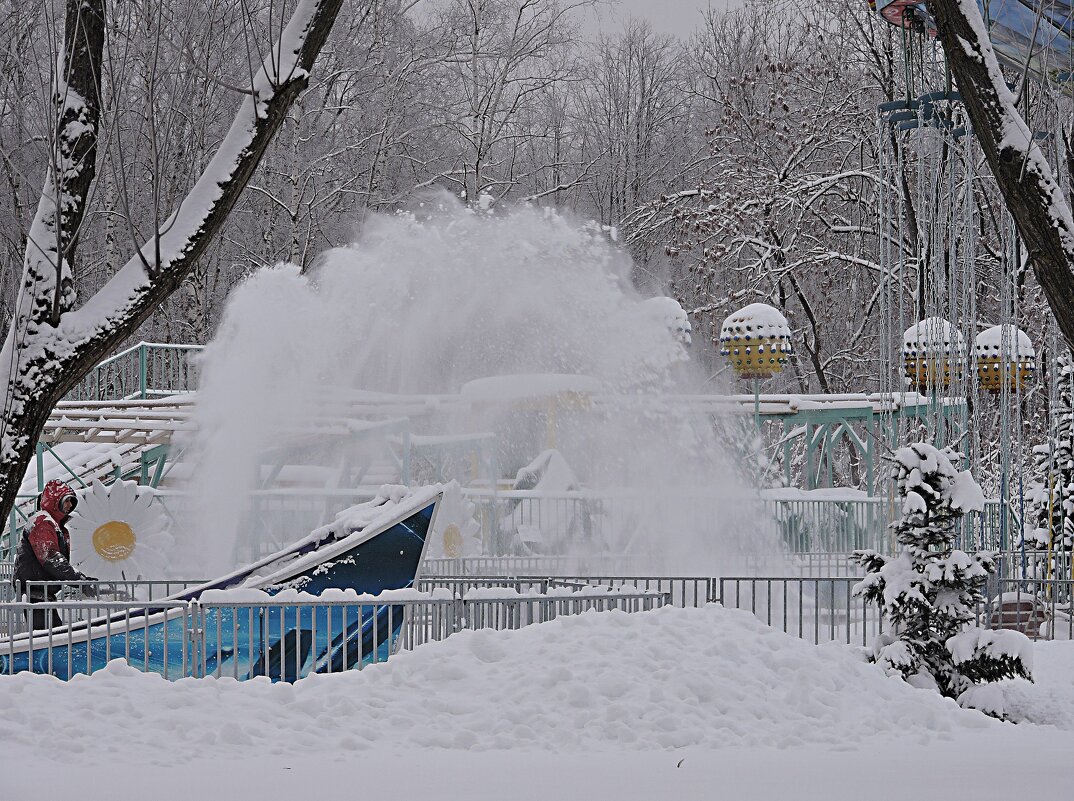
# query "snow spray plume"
(421, 304)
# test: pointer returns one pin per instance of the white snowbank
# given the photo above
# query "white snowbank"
(675, 703)
(1050, 699)
(673, 678)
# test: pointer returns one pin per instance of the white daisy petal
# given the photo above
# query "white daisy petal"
(133, 538)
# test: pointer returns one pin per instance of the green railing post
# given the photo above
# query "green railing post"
(143, 369)
(787, 473)
(870, 456)
(7, 548)
(40, 456)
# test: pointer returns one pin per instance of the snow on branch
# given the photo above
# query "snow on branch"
(44, 355)
(1029, 189)
(283, 74)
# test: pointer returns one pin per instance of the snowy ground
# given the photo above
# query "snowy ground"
(678, 702)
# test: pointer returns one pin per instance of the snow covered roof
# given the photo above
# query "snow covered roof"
(1005, 339)
(755, 320)
(932, 335)
(668, 312)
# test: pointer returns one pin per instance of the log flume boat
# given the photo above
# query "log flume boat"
(369, 549)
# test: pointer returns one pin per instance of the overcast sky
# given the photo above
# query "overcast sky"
(679, 17)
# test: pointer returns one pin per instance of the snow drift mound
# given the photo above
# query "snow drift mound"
(1050, 699)
(672, 678)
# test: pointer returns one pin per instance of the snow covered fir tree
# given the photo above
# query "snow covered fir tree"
(930, 590)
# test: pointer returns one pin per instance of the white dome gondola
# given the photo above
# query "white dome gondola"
(757, 340)
(933, 351)
(1003, 345)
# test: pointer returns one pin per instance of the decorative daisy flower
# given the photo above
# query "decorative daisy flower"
(456, 533)
(117, 532)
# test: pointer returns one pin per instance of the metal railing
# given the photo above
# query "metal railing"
(825, 609)
(822, 565)
(93, 597)
(682, 591)
(992, 529)
(462, 585)
(282, 639)
(155, 639)
(494, 566)
(1019, 564)
(111, 589)
(815, 609)
(827, 525)
(550, 522)
(142, 371)
(7, 588)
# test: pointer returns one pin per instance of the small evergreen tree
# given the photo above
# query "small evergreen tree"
(930, 590)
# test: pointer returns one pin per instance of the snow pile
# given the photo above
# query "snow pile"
(1050, 699)
(709, 678)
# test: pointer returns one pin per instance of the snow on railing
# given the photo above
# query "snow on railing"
(141, 372)
(243, 634)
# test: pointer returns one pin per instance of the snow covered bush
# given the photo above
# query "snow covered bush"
(930, 590)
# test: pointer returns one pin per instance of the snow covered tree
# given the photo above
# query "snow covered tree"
(1030, 191)
(1050, 516)
(930, 590)
(52, 341)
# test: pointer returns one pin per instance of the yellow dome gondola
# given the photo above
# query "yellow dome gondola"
(933, 352)
(757, 340)
(1004, 353)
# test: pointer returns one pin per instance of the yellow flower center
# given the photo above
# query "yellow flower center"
(452, 542)
(114, 540)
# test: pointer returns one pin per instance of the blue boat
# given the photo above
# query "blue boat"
(371, 548)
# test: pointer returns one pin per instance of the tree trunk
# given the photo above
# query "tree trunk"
(1025, 179)
(50, 346)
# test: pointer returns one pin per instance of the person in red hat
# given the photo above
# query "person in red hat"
(44, 552)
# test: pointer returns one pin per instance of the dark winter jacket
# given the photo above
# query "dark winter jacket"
(44, 552)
